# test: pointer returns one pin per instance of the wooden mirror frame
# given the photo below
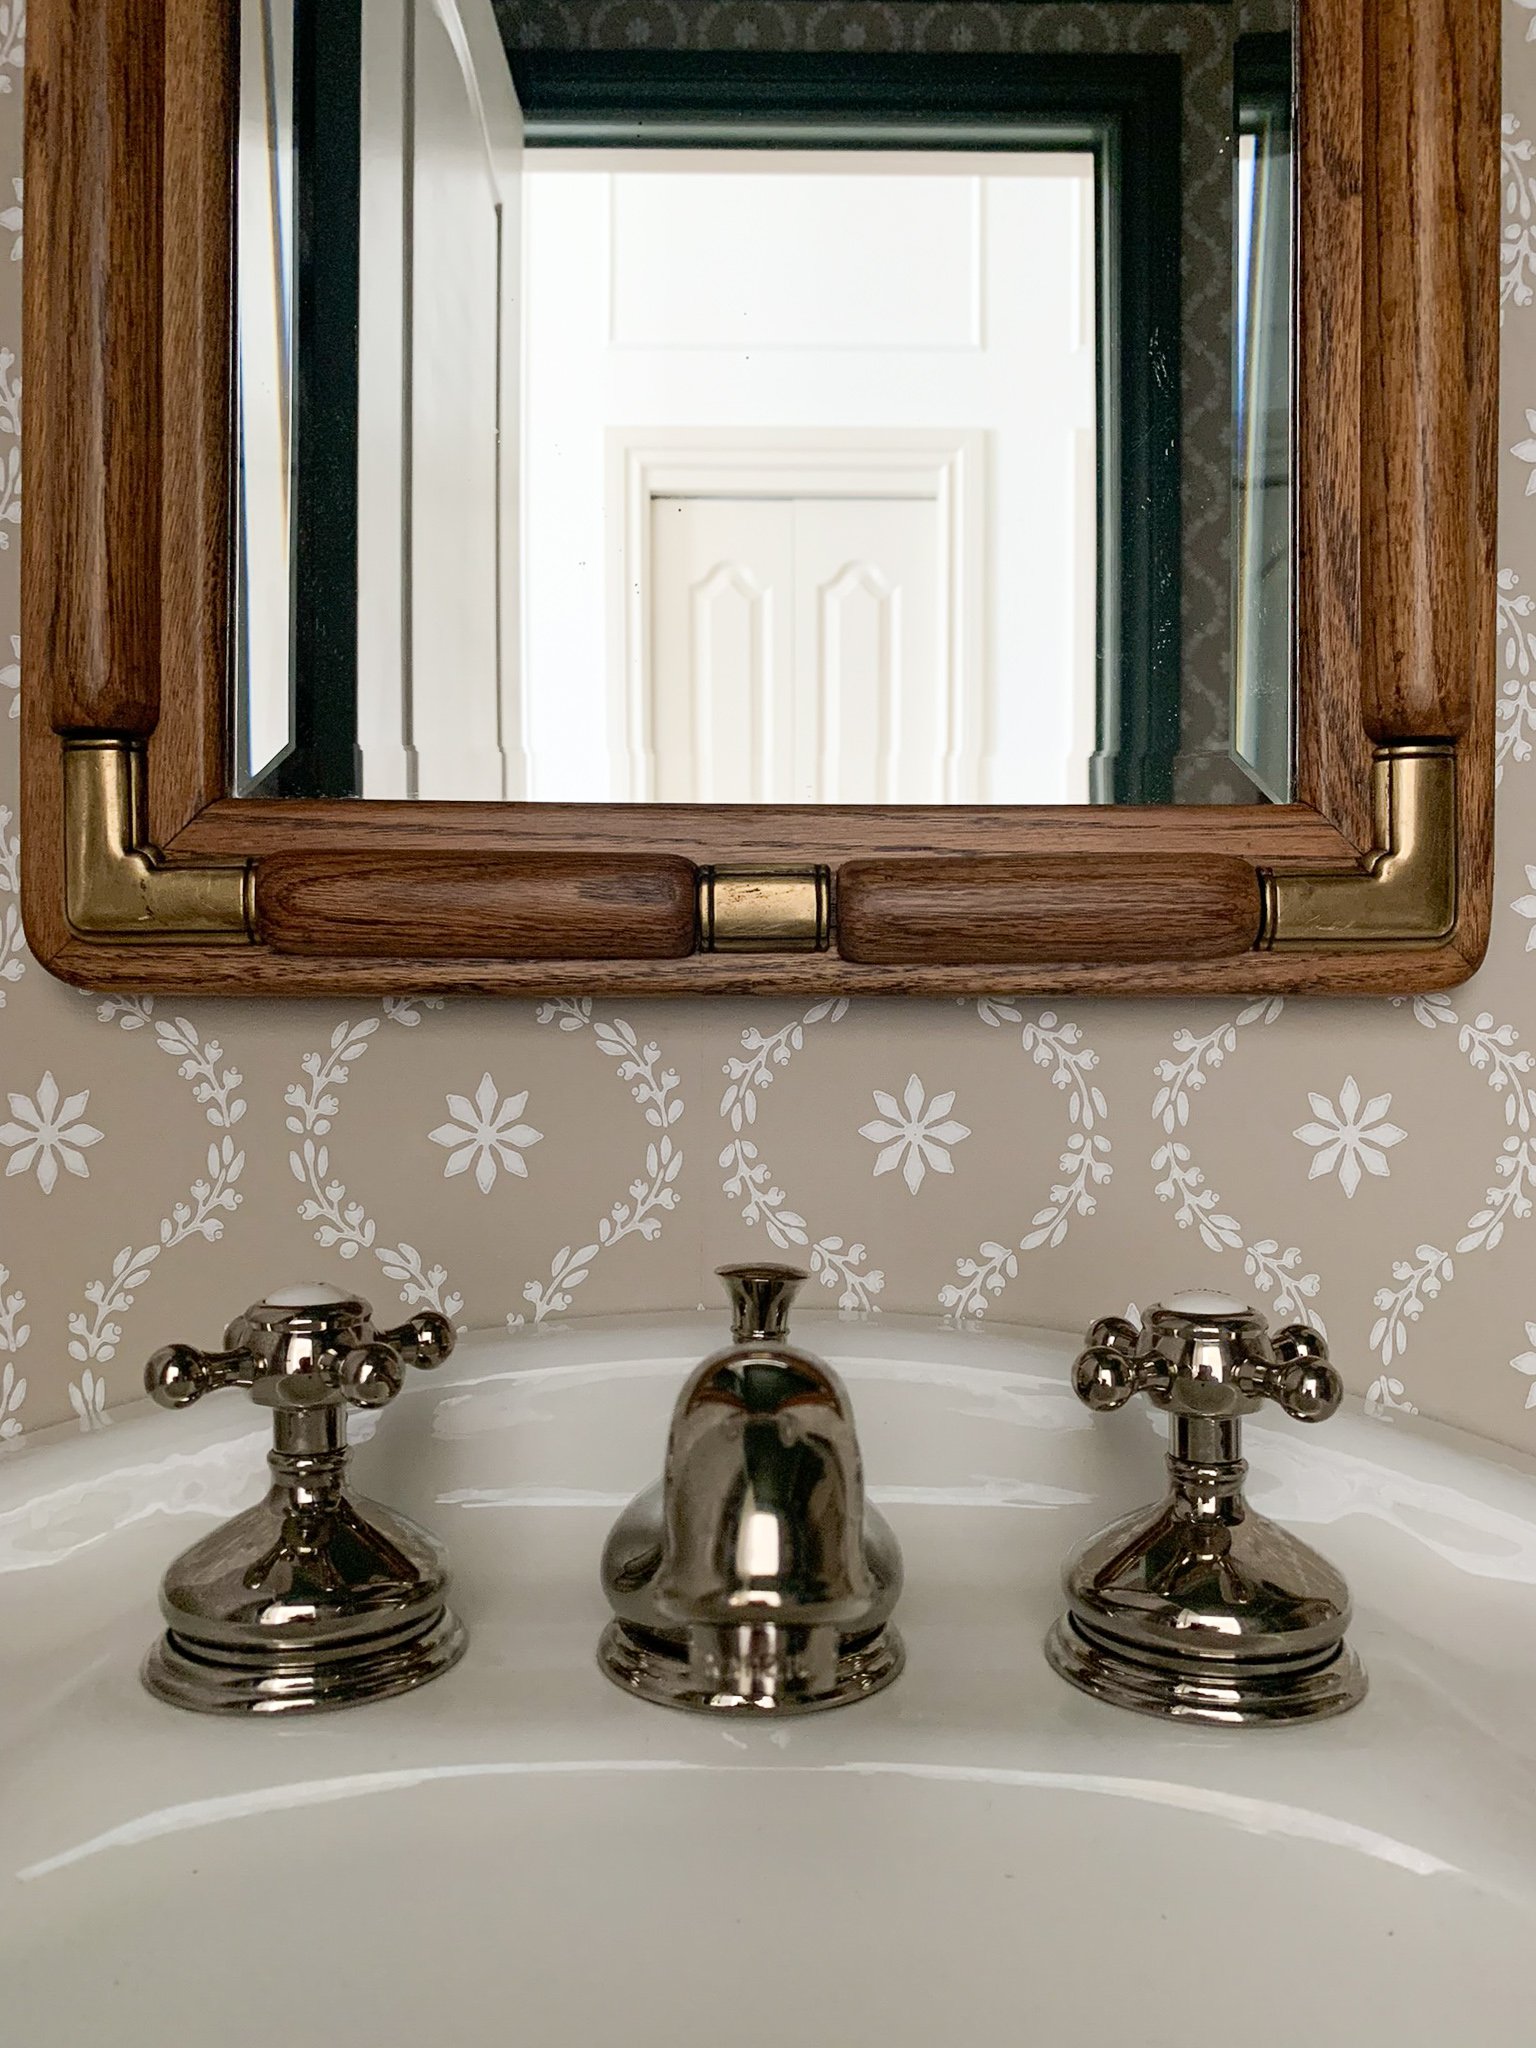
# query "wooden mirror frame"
(141, 872)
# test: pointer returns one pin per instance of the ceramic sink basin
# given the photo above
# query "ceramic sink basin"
(519, 1853)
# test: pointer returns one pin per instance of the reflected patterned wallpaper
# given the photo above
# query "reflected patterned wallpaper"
(1368, 1165)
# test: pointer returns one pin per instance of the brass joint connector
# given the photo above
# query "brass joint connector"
(1404, 892)
(765, 910)
(116, 885)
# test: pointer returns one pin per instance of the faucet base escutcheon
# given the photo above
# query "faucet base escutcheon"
(204, 1680)
(1222, 1697)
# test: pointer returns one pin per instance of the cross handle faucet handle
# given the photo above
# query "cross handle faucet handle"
(303, 1347)
(1207, 1358)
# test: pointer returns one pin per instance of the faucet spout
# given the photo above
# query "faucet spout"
(756, 1575)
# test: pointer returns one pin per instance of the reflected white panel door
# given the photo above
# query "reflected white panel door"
(795, 650)
(438, 710)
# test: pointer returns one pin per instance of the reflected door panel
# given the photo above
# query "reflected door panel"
(722, 679)
(874, 712)
(796, 651)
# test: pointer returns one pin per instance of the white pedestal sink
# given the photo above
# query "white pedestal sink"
(518, 1853)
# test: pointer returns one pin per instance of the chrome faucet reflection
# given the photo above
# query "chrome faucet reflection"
(755, 1578)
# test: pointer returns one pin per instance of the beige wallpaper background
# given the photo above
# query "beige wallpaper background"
(1369, 1166)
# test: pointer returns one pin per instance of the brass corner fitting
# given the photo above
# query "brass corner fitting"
(1404, 893)
(118, 886)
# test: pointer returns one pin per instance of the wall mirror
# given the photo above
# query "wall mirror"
(683, 520)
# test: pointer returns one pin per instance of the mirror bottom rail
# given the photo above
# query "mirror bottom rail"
(1149, 917)
(253, 971)
(991, 911)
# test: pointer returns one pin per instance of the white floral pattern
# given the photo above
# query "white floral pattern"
(1273, 1269)
(1426, 1283)
(651, 1197)
(88, 1398)
(1350, 1139)
(914, 1134)
(344, 1225)
(13, 1335)
(13, 29)
(94, 1332)
(1386, 1399)
(487, 1134)
(1517, 251)
(11, 218)
(1525, 906)
(1517, 688)
(748, 1180)
(48, 1131)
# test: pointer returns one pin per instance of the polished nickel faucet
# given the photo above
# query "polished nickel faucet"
(755, 1577)
(312, 1598)
(1197, 1608)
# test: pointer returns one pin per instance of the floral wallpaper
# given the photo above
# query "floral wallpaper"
(1371, 1166)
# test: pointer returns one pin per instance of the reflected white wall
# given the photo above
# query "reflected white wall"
(756, 290)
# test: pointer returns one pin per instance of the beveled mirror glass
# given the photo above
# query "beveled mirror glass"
(762, 431)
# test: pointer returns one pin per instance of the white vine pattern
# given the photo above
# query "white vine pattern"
(13, 30)
(749, 1180)
(1085, 1166)
(1386, 1398)
(96, 1331)
(13, 947)
(655, 1088)
(1420, 1280)
(1493, 1050)
(1517, 249)
(1274, 1269)
(1516, 721)
(13, 1335)
(341, 1224)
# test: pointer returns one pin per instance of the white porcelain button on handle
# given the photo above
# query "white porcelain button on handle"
(308, 1294)
(1205, 1301)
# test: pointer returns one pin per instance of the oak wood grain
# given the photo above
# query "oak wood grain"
(187, 762)
(91, 335)
(1279, 835)
(1430, 362)
(1333, 749)
(487, 906)
(1047, 907)
(256, 971)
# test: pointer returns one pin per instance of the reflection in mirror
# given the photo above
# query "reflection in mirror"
(1263, 720)
(263, 661)
(771, 430)
(782, 405)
